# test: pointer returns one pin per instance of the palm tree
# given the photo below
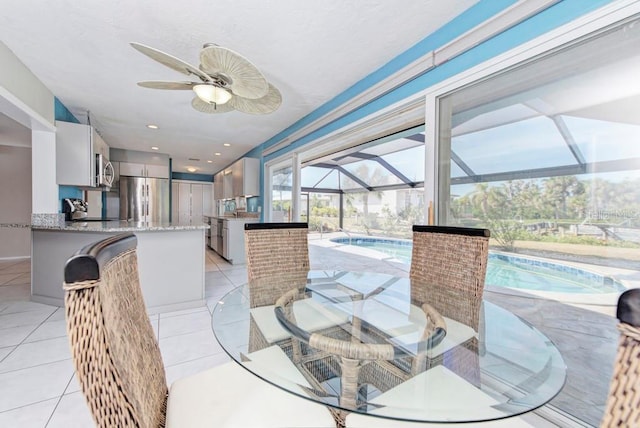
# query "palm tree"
(557, 191)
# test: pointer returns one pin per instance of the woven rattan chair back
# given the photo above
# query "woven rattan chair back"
(277, 259)
(448, 268)
(114, 350)
(623, 404)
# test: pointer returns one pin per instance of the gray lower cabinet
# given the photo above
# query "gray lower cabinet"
(232, 247)
(170, 263)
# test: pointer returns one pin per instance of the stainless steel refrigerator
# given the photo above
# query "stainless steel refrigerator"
(144, 199)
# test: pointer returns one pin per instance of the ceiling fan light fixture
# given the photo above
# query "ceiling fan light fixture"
(227, 81)
(212, 94)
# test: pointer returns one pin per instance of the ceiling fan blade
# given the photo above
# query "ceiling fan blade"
(170, 61)
(245, 79)
(205, 107)
(160, 84)
(265, 105)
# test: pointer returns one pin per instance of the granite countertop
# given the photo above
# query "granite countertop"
(14, 225)
(231, 218)
(119, 226)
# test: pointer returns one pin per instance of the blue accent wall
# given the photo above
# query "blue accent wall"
(62, 113)
(193, 177)
(68, 192)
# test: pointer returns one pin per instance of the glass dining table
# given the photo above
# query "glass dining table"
(361, 343)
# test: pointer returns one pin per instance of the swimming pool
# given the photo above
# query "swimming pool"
(506, 270)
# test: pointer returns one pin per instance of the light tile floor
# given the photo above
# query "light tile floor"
(37, 385)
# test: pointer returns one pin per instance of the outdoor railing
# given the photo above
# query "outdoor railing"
(346, 232)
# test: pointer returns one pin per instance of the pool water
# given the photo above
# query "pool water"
(511, 271)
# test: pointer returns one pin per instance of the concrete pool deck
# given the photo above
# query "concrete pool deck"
(604, 303)
(585, 334)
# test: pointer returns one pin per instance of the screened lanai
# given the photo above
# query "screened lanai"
(378, 187)
(550, 146)
(364, 188)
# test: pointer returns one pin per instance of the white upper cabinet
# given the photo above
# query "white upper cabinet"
(132, 169)
(76, 149)
(218, 185)
(240, 179)
(144, 170)
(227, 183)
(246, 177)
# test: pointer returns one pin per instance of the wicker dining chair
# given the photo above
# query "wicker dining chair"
(448, 268)
(623, 404)
(277, 257)
(119, 366)
(277, 260)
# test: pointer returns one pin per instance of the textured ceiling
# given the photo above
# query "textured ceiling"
(310, 50)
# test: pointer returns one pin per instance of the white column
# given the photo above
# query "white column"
(430, 158)
(268, 193)
(295, 188)
(44, 194)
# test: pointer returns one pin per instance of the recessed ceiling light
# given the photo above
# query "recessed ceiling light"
(217, 153)
(227, 145)
(155, 148)
(191, 169)
(151, 126)
(209, 161)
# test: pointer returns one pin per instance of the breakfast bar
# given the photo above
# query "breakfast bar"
(170, 259)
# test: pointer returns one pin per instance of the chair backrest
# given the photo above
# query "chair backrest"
(277, 258)
(114, 349)
(448, 268)
(623, 404)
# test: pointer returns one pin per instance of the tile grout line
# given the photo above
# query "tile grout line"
(60, 399)
(26, 337)
(197, 359)
(37, 365)
(27, 405)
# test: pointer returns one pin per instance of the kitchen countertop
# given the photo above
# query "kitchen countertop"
(119, 226)
(14, 225)
(255, 219)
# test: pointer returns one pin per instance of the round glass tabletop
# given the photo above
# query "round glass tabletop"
(362, 342)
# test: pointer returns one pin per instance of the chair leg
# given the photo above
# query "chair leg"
(339, 416)
(349, 382)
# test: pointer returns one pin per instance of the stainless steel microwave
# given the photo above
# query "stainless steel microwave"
(104, 171)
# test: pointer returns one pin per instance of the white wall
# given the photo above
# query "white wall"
(43, 157)
(15, 200)
(19, 84)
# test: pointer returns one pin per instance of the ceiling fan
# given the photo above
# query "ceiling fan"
(227, 81)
